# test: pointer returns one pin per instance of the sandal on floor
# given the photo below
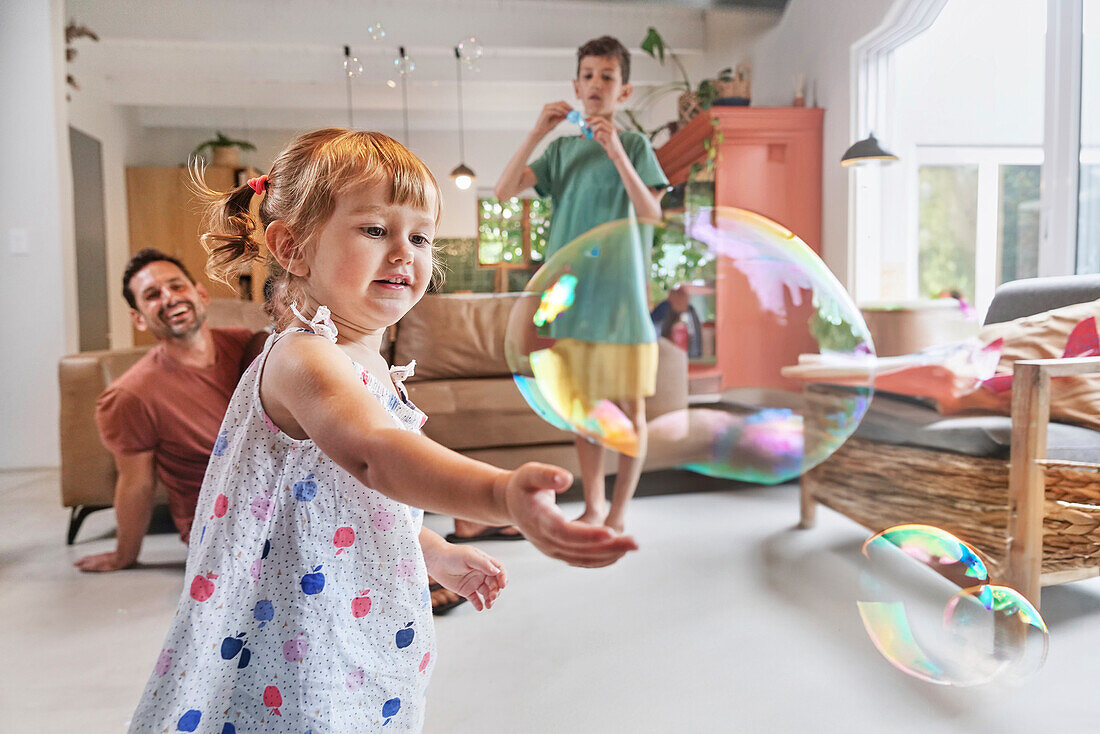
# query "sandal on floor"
(486, 534)
(439, 610)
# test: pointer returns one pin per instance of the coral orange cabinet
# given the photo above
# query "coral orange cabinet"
(769, 162)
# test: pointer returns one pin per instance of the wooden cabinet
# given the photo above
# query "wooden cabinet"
(164, 214)
(769, 162)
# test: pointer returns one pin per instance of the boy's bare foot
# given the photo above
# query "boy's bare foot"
(593, 516)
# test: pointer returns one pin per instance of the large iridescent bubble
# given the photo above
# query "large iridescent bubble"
(790, 360)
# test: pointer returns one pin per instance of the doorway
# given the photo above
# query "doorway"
(91, 240)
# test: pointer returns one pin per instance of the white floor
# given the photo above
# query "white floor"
(726, 620)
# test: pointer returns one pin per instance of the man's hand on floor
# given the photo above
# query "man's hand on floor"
(104, 562)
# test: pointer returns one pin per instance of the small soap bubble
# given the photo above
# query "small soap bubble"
(469, 50)
(376, 31)
(352, 66)
(404, 65)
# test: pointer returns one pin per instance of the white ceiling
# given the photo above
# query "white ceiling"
(204, 63)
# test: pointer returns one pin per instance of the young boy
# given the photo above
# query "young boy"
(612, 175)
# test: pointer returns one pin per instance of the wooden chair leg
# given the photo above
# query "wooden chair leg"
(1026, 481)
(807, 505)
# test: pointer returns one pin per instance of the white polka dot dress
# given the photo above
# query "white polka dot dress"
(305, 605)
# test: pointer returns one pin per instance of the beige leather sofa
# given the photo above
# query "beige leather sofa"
(462, 382)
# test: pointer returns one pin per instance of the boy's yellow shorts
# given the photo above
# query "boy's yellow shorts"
(592, 371)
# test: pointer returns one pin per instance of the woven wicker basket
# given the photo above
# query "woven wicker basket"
(881, 485)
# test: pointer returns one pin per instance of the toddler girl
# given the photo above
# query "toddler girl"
(306, 604)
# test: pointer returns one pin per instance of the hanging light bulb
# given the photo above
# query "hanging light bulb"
(462, 175)
(376, 31)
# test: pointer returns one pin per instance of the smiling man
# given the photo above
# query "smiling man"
(161, 418)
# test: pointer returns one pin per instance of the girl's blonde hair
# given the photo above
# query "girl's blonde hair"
(301, 190)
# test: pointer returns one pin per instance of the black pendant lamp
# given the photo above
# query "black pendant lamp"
(462, 175)
(865, 151)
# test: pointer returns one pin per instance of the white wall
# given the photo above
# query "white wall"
(37, 289)
(815, 38)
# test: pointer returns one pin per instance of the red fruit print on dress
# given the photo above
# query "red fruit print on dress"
(221, 506)
(202, 587)
(273, 699)
(360, 605)
(344, 538)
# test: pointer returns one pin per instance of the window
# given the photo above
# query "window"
(977, 220)
(1088, 202)
(972, 127)
(512, 231)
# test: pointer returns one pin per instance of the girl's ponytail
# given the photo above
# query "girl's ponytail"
(230, 229)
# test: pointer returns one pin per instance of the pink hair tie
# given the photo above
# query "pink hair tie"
(259, 184)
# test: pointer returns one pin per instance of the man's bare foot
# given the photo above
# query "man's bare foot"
(443, 600)
(466, 531)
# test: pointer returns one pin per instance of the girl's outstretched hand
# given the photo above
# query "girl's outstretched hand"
(529, 494)
(468, 572)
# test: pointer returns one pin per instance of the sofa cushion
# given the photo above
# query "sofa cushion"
(906, 421)
(455, 335)
(1041, 336)
(480, 413)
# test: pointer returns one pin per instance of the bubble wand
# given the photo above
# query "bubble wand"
(574, 117)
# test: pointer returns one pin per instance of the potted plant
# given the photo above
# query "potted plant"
(225, 151)
(691, 100)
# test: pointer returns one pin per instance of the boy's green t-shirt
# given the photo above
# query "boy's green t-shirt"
(587, 191)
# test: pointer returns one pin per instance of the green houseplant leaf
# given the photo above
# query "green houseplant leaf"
(221, 141)
(654, 45)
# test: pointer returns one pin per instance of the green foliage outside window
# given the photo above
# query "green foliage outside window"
(948, 229)
(501, 230)
(1019, 222)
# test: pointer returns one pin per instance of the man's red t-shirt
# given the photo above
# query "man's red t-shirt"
(174, 411)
